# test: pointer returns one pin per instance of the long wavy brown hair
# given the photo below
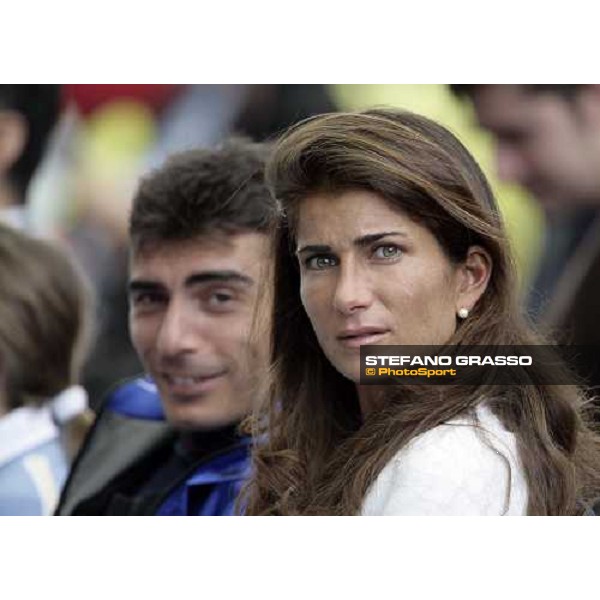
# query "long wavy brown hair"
(316, 454)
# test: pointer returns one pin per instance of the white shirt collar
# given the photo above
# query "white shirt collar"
(23, 429)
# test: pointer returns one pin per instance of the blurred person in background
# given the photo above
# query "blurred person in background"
(131, 128)
(45, 312)
(28, 115)
(548, 141)
(168, 443)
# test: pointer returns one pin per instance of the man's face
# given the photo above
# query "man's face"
(547, 144)
(191, 310)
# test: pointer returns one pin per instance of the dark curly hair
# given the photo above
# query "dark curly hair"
(200, 191)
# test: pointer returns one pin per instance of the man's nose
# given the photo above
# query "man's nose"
(353, 291)
(510, 164)
(177, 334)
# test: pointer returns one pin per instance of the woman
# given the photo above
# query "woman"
(44, 326)
(391, 235)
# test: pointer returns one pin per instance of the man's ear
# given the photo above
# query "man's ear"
(475, 272)
(13, 137)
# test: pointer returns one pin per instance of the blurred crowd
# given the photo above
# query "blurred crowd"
(71, 158)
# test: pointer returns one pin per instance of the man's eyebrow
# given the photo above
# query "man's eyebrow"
(363, 240)
(218, 276)
(141, 285)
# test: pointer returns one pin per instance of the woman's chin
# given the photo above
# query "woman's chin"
(349, 371)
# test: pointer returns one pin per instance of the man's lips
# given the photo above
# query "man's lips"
(186, 384)
(359, 336)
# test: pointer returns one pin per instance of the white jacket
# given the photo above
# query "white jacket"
(458, 468)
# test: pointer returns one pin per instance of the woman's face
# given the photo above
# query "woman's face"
(371, 275)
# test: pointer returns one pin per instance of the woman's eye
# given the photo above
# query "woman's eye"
(321, 262)
(387, 251)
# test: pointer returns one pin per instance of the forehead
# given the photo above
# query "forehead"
(500, 107)
(347, 215)
(497, 102)
(243, 252)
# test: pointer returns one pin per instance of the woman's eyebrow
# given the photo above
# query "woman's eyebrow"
(361, 242)
(369, 238)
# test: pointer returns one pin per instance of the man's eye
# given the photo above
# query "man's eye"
(220, 299)
(514, 138)
(146, 299)
(387, 251)
(320, 262)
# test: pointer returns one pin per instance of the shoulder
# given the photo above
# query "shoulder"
(25, 429)
(129, 431)
(468, 466)
(32, 463)
(137, 399)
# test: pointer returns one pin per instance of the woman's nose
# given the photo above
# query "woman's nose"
(353, 290)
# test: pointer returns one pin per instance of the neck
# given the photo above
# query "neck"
(370, 398)
(197, 443)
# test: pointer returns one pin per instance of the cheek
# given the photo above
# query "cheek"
(549, 158)
(441, 309)
(314, 297)
(421, 303)
(230, 341)
(142, 333)
(442, 293)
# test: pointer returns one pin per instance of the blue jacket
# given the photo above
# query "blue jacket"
(130, 438)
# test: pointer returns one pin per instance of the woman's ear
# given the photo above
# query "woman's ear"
(475, 272)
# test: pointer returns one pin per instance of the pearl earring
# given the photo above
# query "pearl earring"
(463, 313)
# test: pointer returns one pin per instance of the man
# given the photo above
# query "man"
(547, 136)
(28, 114)
(169, 444)
(548, 140)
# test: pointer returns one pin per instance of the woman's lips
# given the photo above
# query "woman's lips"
(361, 337)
